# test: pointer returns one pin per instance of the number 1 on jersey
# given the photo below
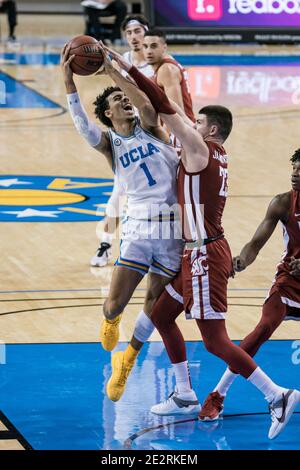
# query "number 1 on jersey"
(150, 179)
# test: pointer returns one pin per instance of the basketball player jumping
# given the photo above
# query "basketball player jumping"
(134, 28)
(146, 165)
(171, 77)
(283, 301)
(207, 263)
(122, 360)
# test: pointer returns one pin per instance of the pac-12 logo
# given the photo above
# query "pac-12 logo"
(205, 9)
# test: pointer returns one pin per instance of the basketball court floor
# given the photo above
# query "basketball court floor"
(53, 191)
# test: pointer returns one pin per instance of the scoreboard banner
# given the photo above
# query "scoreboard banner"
(260, 20)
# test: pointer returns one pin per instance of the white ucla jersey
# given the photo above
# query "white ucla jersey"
(146, 168)
(144, 68)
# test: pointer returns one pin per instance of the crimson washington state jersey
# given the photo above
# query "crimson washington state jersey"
(202, 196)
(185, 91)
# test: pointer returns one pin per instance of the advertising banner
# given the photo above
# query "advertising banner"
(227, 13)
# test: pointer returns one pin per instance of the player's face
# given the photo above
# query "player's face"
(201, 125)
(135, 36)
(296, 176)
(154, 49)
(119, 107)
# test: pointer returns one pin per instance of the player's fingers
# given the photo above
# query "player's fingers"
(70, 59)
(66, 53)
(101, 71)
(67, 64)
(110, 52)
(64, 49)
(63, 53)
(102, 47)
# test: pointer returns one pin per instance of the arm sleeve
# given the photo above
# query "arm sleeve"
(158, 98)
(86, 128)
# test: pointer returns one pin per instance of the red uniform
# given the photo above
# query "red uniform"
(284, 283)
(206, 265)
(186, 96)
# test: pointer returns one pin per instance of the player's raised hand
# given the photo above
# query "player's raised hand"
(107, 62)
(238, 264)
(295, 266)
(123, 64)
(65, 61)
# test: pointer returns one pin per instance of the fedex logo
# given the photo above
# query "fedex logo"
(205, 9)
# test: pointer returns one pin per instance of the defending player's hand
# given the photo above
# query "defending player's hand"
(65, 61)
(123, 64)
(238, 264)
(107, 61)
(295, 266)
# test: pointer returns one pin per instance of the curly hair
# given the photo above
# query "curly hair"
(101, 105)
(296, 157)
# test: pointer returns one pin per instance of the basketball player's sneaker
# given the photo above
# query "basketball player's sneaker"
(102, 256)
(178, 404)
(120, 371)
(281, 411)
(109, 333)
(212, 407)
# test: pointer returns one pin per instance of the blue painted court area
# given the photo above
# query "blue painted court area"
(54, 395)
(34, 198)
(15, 94)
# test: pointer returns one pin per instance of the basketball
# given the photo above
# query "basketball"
(88, 56)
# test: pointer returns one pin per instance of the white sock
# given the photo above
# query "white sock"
(182, 375)
(107, 237)
(226, 381)
(261, 381)
(143, 327)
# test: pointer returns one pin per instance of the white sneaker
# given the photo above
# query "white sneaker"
(102, 256)
(282, 410)
(178, 404)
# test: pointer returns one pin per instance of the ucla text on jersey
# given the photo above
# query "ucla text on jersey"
(146, 168)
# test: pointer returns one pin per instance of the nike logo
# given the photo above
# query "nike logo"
(297, 215)
(282, 404)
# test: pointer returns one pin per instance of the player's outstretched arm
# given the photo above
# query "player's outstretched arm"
(182, 114)
(65, 61)
(169, 79)
(147, 113)
(84, 126)
(275, 212)
(196, 152)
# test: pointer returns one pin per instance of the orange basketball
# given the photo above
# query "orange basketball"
(88, 56)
